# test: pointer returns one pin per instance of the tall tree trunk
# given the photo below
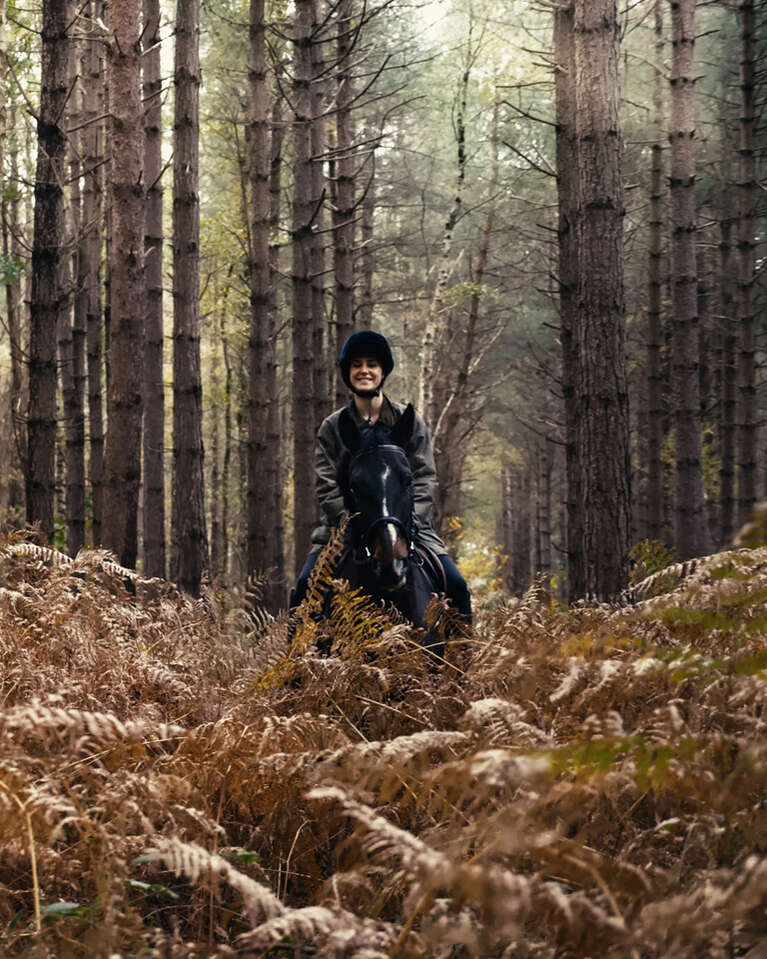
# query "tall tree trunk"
(431, 394)
(319, 149)
(262, 499)
(189, 543)
(567, 198)
(13, 251)
(543, 507)
(344, 207)
(747, 445)
(601, 395)
(520, 529)
(303, 328)
(122, 463)
(452, 426)
(728, 377)
(692, 535)
(47, 261)
(275, 591)
(74, 403)
(154, 394)
(656, 412)
(92, 148)
(363, 314)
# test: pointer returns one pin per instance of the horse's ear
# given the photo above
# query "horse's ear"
(403, 428)
(350, 434)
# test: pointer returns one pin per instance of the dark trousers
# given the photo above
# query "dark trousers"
(457, 590)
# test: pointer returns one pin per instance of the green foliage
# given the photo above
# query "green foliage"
(648, 557)
(11, 269)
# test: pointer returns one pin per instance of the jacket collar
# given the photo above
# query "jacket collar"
(387, 417)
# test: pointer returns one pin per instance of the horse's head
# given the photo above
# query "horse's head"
(377, 485)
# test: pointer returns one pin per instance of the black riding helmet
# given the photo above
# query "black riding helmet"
(365, 343)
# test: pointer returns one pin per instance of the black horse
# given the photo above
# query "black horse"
(383, 556)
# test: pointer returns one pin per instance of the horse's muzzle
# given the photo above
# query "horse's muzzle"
(390, 576)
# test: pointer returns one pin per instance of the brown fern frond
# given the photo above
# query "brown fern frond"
(195, 862)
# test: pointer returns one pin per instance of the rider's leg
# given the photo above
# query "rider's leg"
(457, 590)
(298, 592)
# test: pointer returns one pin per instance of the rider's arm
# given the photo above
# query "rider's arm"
(326, 454)
(421, 459)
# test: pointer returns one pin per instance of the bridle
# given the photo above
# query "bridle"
(362, 553)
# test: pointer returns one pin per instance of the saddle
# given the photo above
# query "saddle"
(432, 566)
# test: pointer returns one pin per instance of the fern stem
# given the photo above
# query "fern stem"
(32, 858)
(406, 929)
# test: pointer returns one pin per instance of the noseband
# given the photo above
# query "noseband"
(406, 528)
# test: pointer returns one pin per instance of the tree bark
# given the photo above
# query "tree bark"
(92, 147)
(275, 591)
(344, 207)
(363, 314)
(74, 357)
(431, 393)
(567, 199)
(263, 444)
(154, 393)
(656, 411)
(47, 294)
(303, 327)
(322, 379)
(747, 434)
(189, 543)
(13, 250)
(122, 463)
(692, 535)
(601, 390)
(728, 381)
(543, 507)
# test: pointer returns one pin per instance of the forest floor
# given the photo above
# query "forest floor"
(183, 778)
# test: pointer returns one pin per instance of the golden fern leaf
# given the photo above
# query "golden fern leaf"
(189, 859)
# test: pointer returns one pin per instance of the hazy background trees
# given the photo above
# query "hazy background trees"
(569, 271)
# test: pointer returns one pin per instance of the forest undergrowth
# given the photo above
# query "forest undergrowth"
(183, 778)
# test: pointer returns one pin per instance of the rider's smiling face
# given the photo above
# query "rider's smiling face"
(365, 373)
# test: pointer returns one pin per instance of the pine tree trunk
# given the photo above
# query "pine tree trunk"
(601, 392)
(344, 207)
(122, 462)
(543, 507)
(520, 529)
(226, 471)
(275, 590)
(47, 262)
(262, 499)
(363, 316)
(92, 148)
(453, 424)
(567, 193)
(74, 407)
(12, 250)
(189, 543)
(303, 327)
(692, 536)
(656, 412)
(507, 533)
(728, 380)
(433, 373)
(154, 394)
(319, 148)
(747, 436)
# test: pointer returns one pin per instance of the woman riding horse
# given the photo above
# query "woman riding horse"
(365, 362)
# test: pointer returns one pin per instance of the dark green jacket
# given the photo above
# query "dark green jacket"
(328, 451)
